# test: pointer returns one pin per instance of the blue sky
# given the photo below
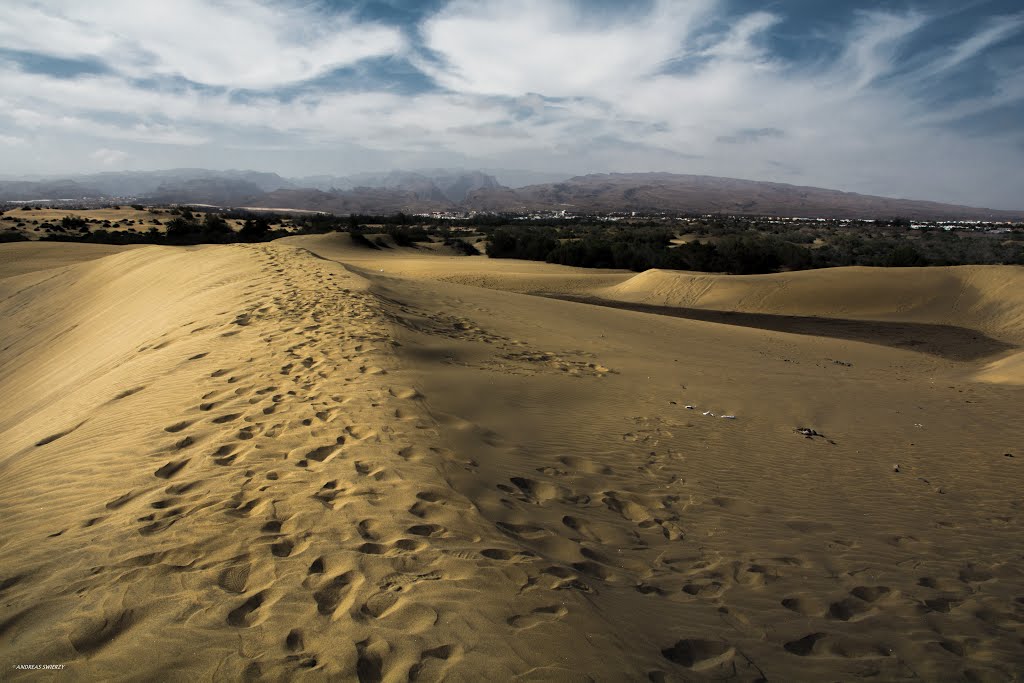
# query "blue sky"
(913, 99)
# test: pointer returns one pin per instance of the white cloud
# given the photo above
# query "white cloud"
(233, 43)
(552, 48)
(109, 157)
(997, 31)
(872, 47)
(739, 42)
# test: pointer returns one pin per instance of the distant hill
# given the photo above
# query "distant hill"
(148, 183)
(195, 185)
(443, 189)
(708, 194)
(444, 186)
(28, 190)
(217, 191)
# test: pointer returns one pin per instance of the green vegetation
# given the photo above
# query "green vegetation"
(746, 246)
(461, 246)
(727, 244)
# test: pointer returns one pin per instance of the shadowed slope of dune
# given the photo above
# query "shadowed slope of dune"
(654, 463)
(965, 312)
(955, 343)
(989, 299)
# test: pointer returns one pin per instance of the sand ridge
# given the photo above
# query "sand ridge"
(274, 482)
(19, 258)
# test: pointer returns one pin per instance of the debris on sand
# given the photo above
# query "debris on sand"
(808, 432)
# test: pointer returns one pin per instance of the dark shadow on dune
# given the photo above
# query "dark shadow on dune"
(944, 341)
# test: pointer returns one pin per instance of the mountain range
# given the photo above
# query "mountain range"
(453, 190)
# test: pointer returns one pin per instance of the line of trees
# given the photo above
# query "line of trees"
(638, 249)
(741, 245)
(643, 249)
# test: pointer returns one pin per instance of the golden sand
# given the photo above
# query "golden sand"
(302, 460)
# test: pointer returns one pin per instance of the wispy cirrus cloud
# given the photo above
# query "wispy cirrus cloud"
(995, 31)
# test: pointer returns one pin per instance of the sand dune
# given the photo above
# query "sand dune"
(984, 298)
(20, 258)
(949, 304)
(508, 275)
(307, 460)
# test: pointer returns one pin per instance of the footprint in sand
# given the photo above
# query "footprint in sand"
(171, 469)
(527, 531)
(294, 642)
(327, 493)
(369, 529)
(699, 654)
(707, 589)
(434, 663)
(120, 500)
(96, 635)
(370, 662)
(859, 604)
(245, 615)
(361, 432)
(502, 555)
(127, 393)
(225, 455)
(282, 548)
(828, 645)
(538, 492)
(399, 547)
(58, 435)
(239, 507)
(541, 615)
(322, 453)
(234, 579)
(804, 605)
(404, 393)
(329, 597)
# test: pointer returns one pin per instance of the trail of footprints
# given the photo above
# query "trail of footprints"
(511, 356)
(636, 538)
(285, 480)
